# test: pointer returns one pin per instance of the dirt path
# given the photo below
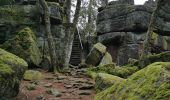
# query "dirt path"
(72, 86)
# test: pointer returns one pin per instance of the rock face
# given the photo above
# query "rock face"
(150, 83)
(24, 13)
(122, 26)
(12, 69)
(25, 46)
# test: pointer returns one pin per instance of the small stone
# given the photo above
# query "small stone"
(53, 99)
(84, 93)
(49, 78)
(54, 92)
(31, 86)
(68, 86)
(61, 77)
(40, 97)
(86, 87)
(64, 91)
(48, 85)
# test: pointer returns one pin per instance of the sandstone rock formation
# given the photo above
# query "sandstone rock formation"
(122, 26)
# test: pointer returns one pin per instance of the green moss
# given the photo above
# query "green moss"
(92, 74)
(25, 46)
(9, 58)
(103, 81)
(162, 57)
(12, 69)
(150, 83)
(13, 15)
(100, 47)
(5, 69)
(31, 75)
(123, 71)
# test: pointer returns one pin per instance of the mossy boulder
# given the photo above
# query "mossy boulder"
(150, 83)
(123, 71)
(107, 59)
(96, 54)
(31, 75)
(12, 69)
(104, 81)
(162, 57)
(25, 46)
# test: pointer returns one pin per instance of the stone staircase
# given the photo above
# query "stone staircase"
(76, 51)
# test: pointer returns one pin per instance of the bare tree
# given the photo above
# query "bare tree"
(49, 35)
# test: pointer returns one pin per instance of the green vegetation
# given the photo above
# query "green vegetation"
(14, 15)
(123, 71)
(104, 81)
(162, 57)
(150, 83)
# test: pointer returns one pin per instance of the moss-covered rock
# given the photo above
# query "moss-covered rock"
(107, 59)
(123, 71)
(104, 81)
(25, 46)
(31, 75)
(162, 57)
(150, 83)
(12, 69)
(96, 54)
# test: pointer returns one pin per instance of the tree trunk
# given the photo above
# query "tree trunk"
(49, 35)
(72, 31)
(68, 10)
(148, 41)
(67, 31)
(89, 25)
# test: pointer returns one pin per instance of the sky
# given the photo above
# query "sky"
(137, 2)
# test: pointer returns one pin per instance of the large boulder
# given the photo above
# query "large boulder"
(104, 81)
(123, 71)
(150, 83)
(12, 69)
(25, 46)
(96, 54)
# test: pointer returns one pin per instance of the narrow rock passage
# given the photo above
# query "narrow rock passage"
(71, 86)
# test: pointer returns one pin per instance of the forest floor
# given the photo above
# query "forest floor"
(69, 86)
